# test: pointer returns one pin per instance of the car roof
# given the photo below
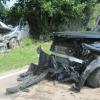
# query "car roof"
(88, 34)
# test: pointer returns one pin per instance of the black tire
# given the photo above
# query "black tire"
(13, 43)
(94, 79)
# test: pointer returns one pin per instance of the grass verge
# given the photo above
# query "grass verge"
(23, 55)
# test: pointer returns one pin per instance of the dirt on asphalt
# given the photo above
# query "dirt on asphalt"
(48, 90)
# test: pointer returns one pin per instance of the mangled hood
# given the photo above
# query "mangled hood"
(5, 28)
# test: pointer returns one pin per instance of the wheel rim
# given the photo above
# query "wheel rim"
(13, 43)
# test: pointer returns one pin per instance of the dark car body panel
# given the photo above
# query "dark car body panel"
(76, 35)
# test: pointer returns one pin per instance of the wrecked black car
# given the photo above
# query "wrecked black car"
(74, 57)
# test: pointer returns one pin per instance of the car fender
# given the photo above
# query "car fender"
(95, 64)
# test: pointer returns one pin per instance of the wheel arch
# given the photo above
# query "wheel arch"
(95, 64)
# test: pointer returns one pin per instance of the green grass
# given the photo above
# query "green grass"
(23, 55)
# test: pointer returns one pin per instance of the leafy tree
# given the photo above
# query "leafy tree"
(45, 16)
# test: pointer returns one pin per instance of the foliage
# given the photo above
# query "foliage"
(45, 16)
(60, 15)
(92, 21)
(3, 12)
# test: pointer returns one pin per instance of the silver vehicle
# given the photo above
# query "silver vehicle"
(11, 36)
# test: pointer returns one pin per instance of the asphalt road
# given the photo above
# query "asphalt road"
(8, 79)
(45, 90)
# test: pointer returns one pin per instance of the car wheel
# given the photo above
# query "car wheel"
(94, 79)
(13, 43)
